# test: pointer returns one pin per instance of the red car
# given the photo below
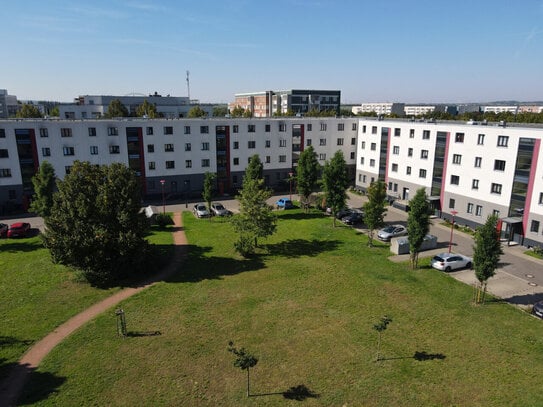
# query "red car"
(19, 229)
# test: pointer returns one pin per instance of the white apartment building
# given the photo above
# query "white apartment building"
(380, 108)
(500, 109)
(418, 110)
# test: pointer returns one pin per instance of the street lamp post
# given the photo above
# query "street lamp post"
(453, 213)
(162, 182)
(290, 174)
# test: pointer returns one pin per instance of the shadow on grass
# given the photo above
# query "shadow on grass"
(418, 356)
(298, 393)
(21, 245)
(138, 334)
(38, 386)
(285, 214)
(300, 247)
(16, 345)
(527, 299)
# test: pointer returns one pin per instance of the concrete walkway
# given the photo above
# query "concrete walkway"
(12, 386)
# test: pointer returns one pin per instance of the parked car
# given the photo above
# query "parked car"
(355, 217)
(391, 231)
(451, 261)
(284, 203)
(200, 211)
(344, 212)
(3, 230)
(19, 229)
(218, 209)
(537, 309)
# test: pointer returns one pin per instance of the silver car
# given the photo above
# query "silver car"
(200, 211)
(218, 209)
(391, 231)
(451, 261)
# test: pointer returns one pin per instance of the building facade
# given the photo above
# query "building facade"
(380, 108)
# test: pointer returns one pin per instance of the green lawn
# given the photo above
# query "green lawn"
(305, 305)
(36, 295)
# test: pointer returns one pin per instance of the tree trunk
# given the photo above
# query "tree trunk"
(370, 238)
(378, 346)
(248, 393)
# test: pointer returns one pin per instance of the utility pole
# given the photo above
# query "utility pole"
(188, 85)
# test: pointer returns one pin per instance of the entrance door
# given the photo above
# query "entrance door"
(405, 195)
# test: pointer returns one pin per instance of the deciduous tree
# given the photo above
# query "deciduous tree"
(255, 168)
(44, 187)
(147, 109)
(244, 360)
(307, 174)
(335, 182)
(237, 111)
(220, 111)
(209, 184)
(381, 327)
(418, 224)
(374, 208)
(116, 109)
(28, 111)
(196, 112)
(486, 254)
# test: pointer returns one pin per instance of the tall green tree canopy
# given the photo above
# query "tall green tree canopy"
(486, 253)
(335, 182)
(44, 187)
(237, 111)
(255, 168)
(418, 224)
(147, 109)
(374, 208)
(96, 224)
(28, 111)
(307, 173)
(220, 111)
(209, 183)
(116, 109)
(196, 112)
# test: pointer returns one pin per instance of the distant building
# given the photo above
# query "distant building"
(530, 109)
(380, 108)
(8, 104)
(468, 108)
(299, 101)
(95, 106)
(418, 110)
(500, 109)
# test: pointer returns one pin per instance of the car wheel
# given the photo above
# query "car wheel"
(469, 265)
(448, 268)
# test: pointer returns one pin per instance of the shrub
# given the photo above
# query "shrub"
(163, 219)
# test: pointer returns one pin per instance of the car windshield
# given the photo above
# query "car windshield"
(389, 229)
(201, 208)
(437, 258)
(219, 207)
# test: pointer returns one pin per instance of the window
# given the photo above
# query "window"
(322, 156)
(499, 165)
(475, 184)
(455, 180)
(267, 128)
(251, 128)
(411, 133)
(478, 210)
(94, 150)
(151, 165)
(363, 145)
(364, 179)
(112, 131)
(459, 138)
(282, 158)
(340, 126)
(149, 131)
(496, 212)
(65, 132)
(361, 160)
(322, 142)
(236, 145)
(205, 146)
(352, 155)
(168, 130)
(353, 127)
(188, 147)
(339, 141)
(394, 167)
(426, 134)
(323, 126)
(424, 154)
(353, 141)
(268, 159)
(251, 144)
(373, 147)
(308, 142)
(478, 161)
(45, 132)
(204, 129)
(168, 148)
(410, 152)
(46, 151)
(236, 161)
(12, 194)
(4, 153)
(282, 127)
(205, 162)
(67, 169)
(422, 173)
(397, 132)
(188, 163)
(451, 203)
(235, 128)
(170, 165)
(114, 149)
(150, 148)
(363, 128)
(457, 159)
(373, 129)
(234, 179)
(282, 143)
(496, 188)
(481, 139)
(390, 186)
(541, 198)
(2, 133)
(395, 187)
(267, 143)
(396, 150)
(309, 127)
(503, 141)
(470, 208)
(5, 172)
(68, 151)
(372, 163)
(408, 170)
(534, 226)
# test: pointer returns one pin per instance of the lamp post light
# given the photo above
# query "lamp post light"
(162, 182)
(453, 213)
(290, 174)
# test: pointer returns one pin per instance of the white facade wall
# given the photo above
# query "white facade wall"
(418, 110)
(500, 109)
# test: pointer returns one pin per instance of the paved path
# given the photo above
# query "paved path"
(12, 386)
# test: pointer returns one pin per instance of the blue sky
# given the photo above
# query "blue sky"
(396, 50)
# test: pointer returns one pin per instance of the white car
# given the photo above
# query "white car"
(391, 231)
(200, 211)
(451, 261)
(218, 209)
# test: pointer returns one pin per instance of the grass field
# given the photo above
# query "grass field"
(36, 295)
(305, 306)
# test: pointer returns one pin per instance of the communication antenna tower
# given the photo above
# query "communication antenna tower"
(188, 85)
